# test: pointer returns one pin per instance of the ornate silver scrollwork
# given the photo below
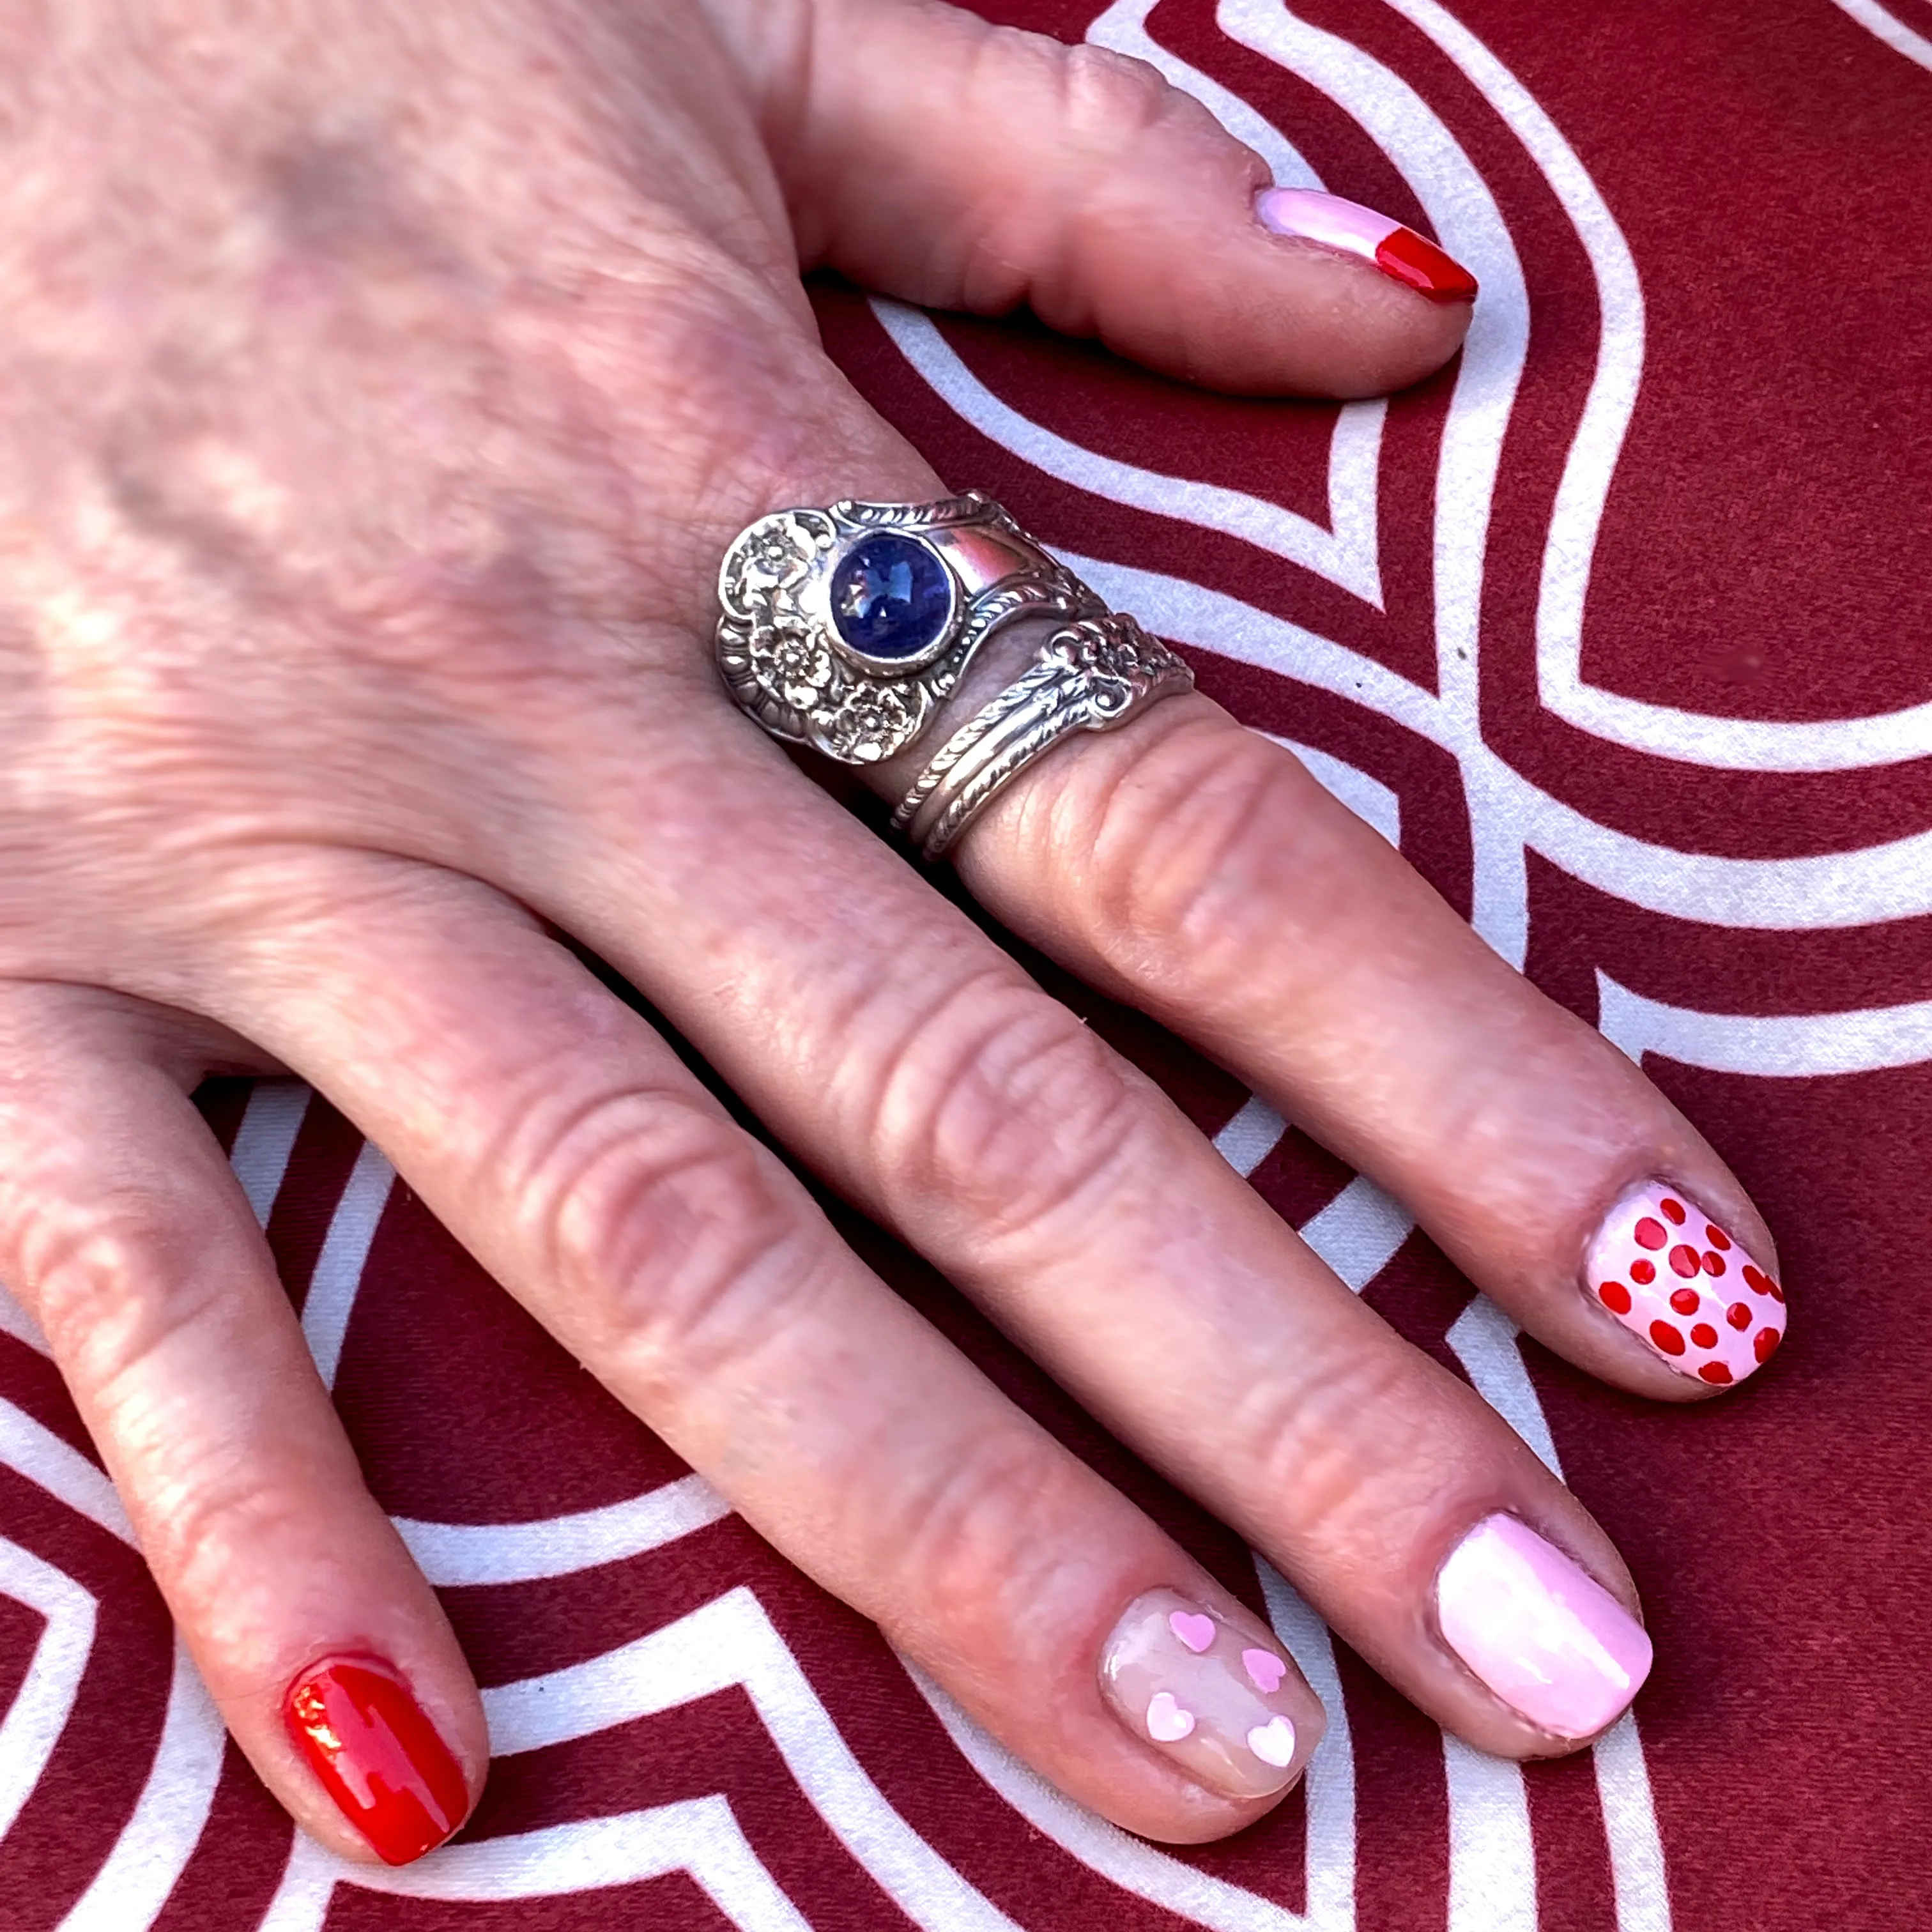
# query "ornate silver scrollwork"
(781, 649)
(1091, 676)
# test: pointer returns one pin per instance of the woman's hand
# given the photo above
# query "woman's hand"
(381, 386)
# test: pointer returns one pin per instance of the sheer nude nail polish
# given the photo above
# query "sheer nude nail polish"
(1544, 1635)
(1223, 1701)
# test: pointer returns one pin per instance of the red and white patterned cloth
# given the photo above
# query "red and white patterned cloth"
(1620, 628)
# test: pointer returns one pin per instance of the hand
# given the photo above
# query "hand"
(382, 387)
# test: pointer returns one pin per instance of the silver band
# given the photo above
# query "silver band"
(1091, 676)
(845, 627)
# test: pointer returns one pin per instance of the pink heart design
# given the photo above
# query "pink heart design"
(1167, 1722)
(1265, 1669)
(1273, 1742)
(1195, 1630)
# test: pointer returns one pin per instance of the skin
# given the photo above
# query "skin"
(382, 386)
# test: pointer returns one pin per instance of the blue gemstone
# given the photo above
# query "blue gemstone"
(891, 597)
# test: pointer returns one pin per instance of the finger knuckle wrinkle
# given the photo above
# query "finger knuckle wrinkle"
(979, 1525)
(681, 1232)
(1323, 1439)
(1001, 1103)
(1198, 847)
(108, 1298)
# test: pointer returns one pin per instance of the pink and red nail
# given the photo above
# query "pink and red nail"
(1308, 215)
(377, 1753)
(1679, 1281)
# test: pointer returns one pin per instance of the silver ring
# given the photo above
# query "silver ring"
(845, 627)
(1091, 676)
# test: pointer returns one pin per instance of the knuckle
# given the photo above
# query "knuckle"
(1329, 1436)
(682, 1246)
(109, 1296)
(999, 1103)
(991, 1513)
(1210, 848)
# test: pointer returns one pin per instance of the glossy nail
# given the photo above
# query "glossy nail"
(1676, 1279)
(1221, 1700)
(1548, 1639)
(377, 1755)
(1411, 258)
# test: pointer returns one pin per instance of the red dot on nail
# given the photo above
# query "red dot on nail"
(1739, 1315)
(1765, 1346)
(1643, 1272)
(1684, 1260)
(1714, 1264)
(1776, 1294)
(1684, 1301)
(1756, 1282)
(1715, 1372)
(1718, 1239)
(1650, 1234)
(1705, 1335)
(1667, 1338)
(1673, 1211)
(1616, 1297)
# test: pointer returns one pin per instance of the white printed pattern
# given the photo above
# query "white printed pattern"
(1492, 1868)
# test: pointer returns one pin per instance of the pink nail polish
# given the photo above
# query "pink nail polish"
(1551, 1641)
(1674, 1278)
(1223, 1701)
(1411, 258)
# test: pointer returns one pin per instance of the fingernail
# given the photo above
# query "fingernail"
(1548, 1639)
(1220, 1700)
(1411, 258)
(1675, 1278)
(378, 1756)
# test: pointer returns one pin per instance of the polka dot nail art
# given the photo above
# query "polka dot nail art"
(1679, 1281)
(1217, 1696)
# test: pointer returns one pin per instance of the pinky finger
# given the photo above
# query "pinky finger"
(125, 1233)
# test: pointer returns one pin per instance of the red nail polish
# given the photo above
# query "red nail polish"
(1415, 259)
(378, 1756)
(1308, 215)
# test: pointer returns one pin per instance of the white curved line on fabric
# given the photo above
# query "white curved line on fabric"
(16, 1322)
(1735, 744)
(1868, 887)
(1470, 226)
(699, 1836)
(1359, 1232)
(1889, 29)
(1345, 555)
(730, 1642)
(453, 1554)
(1330, 1799)
(337, 1278)
(30, 1449)
(133, 1884)
(69, 1613)
(1122, 29)
(265, 1141)
(1773, 1046)
(1129, 1862)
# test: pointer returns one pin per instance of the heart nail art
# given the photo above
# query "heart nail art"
(1273, 1742)
(1265, 1670)
(1167, 1722)
(1210, 1692)
(1195, 1631)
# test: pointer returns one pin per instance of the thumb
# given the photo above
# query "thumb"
(930, 154)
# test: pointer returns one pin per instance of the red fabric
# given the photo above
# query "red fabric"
(1760, 557)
